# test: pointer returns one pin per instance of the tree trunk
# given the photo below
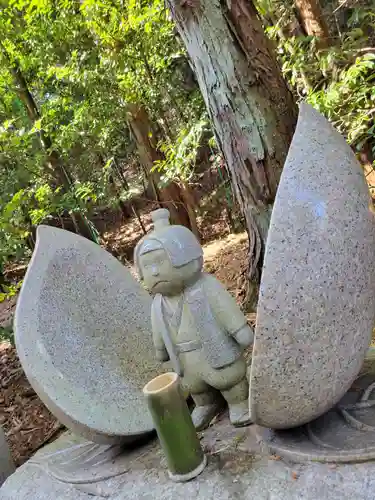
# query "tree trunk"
(126, 186)
(54, 166)
(169, 196)
(190, 203)
(120, 175)
(311, 17)
(121, 203)
(250, 106)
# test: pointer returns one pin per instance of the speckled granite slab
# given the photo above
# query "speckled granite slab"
(317, 302)
(83, 335)
(236, 470)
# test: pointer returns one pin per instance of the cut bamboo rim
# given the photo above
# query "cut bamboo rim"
(160, 383)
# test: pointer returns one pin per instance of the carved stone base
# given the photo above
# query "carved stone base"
(236, 469)
(84, 464)
(344, 434)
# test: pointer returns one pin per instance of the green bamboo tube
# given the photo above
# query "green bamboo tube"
(175, 428)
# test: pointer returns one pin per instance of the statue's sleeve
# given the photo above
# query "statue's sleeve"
(227, 312)
(160, 349)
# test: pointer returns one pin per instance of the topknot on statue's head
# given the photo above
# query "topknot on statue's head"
(180, 244)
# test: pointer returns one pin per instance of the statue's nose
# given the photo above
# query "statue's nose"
(155, 271)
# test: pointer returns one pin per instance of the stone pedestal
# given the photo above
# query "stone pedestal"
(344, 434)
(236, 469)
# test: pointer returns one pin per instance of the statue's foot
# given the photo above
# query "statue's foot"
(239, 414)
(202, 415)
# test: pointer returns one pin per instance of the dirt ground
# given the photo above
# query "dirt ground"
(26, 421)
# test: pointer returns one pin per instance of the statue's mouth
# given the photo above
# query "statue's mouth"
(158, 283)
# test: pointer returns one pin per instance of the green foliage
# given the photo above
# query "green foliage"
(339, 81)
(12, 229)
(6, 334)
(181, 153)
(350, 102)
(83, 62)
(10, 291)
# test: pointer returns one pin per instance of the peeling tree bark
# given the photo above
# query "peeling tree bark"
(250, 106)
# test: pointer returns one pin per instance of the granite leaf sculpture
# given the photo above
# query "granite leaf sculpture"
(195, 322)
(316, 305)
(83, 335)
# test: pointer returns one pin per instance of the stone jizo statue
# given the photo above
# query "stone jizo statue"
(196, 323)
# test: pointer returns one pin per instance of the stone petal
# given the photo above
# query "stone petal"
(316, 306)
(83, 335)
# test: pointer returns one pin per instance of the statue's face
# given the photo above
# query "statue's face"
(159, 275)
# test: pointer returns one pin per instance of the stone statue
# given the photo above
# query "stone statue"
(196, 323)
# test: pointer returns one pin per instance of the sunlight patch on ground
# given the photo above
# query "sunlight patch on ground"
(212, 249)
